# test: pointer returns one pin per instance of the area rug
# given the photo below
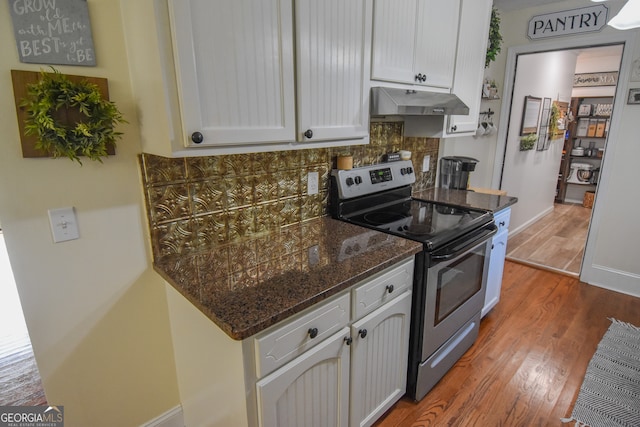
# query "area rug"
(610, 392)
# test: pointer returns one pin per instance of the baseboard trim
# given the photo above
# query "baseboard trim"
(542, 267)
(612, 279)
(172, 418)
(531, 221)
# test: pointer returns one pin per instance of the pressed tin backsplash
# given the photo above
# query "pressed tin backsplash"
(195, 203)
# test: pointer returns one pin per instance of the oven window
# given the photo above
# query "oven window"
(459, 281)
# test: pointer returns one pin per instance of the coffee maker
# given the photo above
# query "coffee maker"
(454, 172)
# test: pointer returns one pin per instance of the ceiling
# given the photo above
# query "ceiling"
(508, 5)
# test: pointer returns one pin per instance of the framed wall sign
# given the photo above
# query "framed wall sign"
(53, 32)
(530, 115)
(568, 22)
(609, 78)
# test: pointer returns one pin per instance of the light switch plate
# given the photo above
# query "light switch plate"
(64, 225)
(312, 183)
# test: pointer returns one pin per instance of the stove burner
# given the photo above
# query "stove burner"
(419, 229)
(381, 218)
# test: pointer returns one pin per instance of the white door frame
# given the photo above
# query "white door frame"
(588, 273)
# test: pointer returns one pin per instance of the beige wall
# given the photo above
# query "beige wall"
(96, 312)
(612, 246)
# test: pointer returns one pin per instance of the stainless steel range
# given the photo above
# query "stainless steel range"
(451, 271)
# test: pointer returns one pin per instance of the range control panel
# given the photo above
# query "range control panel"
(372, 179)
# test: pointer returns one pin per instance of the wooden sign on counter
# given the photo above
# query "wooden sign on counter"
(53, 31)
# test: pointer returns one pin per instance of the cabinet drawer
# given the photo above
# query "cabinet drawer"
(382, 288)
(284, 342)
(502, 219)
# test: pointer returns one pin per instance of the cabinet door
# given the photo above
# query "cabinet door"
(311, 390)
(475, 17)
(333, 42)
(379, 360)
(234, 64)
(394, 37)
(436, 39)
(496, 268)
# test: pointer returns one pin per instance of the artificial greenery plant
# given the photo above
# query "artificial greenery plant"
(70, 119)
(553, 120)
(495, 38)
(527, 142)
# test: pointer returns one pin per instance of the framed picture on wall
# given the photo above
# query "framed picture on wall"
(543, 134)
(634, 96)
(530, 115)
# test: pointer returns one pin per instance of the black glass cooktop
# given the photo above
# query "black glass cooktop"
(431, 223)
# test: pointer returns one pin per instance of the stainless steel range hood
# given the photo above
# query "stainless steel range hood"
(401, 102)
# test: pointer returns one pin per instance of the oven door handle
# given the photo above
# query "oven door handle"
(453, 251)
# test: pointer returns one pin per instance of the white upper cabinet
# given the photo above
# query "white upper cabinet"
(394, 37)
(333, 44)
(237, 81)
(234, 63)
(414, 41)
(475, 18)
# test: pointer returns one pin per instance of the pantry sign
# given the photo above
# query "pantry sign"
(53, 31)
(568, 22)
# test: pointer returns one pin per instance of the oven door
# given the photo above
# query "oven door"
(456, 278)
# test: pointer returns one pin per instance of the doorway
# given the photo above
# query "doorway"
(556, 216)
(19, 376)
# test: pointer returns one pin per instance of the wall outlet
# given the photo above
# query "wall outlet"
(314, 255)
(426, 162)
(64, 225)
(312, 183)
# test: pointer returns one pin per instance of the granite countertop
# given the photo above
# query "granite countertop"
(246, 287)
(472, 199)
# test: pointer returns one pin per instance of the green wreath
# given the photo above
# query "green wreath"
(70, 119)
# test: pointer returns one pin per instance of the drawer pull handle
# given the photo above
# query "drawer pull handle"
(389, 288)
(313, 332)
(362, 333)
(348, 340)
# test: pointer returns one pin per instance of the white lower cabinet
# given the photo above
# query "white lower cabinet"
(312, 390)
(379, 360)
(496, 262)
(349, 378)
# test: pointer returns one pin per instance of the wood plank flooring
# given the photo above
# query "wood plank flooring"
(20, 382)
(527, 365)
(19, 377)
(556, 241)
